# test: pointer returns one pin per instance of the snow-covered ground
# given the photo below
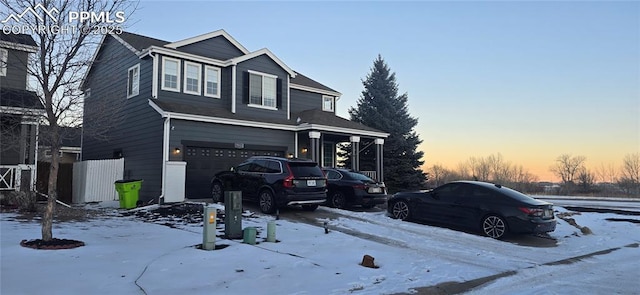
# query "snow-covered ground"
(124, 255)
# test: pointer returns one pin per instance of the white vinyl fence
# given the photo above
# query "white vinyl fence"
(93, 180)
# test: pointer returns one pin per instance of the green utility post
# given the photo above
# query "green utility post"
(233, 214)
(209, 228)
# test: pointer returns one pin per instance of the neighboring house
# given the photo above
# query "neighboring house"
(70, 142)
(20, 111)
(208, 102)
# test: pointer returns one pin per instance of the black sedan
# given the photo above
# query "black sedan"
(494, 209)
(346, 188)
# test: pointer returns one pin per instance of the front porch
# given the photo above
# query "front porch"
(322, 147)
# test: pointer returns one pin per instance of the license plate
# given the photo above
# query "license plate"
(375, 190)
(311, 182)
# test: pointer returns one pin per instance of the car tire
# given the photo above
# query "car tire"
(310, 207)
(400, 210)
(267, 202)
(217, 192)
(494, 226)
(339, 200)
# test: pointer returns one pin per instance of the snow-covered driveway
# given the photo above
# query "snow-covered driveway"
(124, 255)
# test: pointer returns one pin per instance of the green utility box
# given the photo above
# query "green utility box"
(128, 191)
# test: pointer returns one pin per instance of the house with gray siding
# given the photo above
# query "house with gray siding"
(191, 108)
(20, 114)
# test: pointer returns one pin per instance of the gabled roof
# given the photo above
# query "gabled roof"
(139, 42)
(142, 45)
(268, 53)
(23, 39)
(18, 98)
(206, 36)
(22, 42)
(303, 80)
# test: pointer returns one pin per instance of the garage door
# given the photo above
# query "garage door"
(204, 162)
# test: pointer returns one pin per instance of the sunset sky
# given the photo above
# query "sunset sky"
(529, 80)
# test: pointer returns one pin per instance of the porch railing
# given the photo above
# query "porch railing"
(370, 174)
(11, 176)
(8, 177)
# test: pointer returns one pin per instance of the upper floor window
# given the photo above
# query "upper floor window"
(212, 81)
(262, 89)
(133, 81)
(170, 74)
(328, 103)
(192, 73)
(4, 56)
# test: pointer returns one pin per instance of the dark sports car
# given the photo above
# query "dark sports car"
(493, 209)
(347, 188)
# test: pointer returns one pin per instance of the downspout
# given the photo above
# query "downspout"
(35, 159)
(295, 144)
(233, 89)
(288, 98)
(154, 79)
(165, 155)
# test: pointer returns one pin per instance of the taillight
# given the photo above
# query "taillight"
(532, 211)
(360, 186)
(288, 181)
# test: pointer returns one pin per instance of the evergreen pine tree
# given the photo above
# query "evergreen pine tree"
(382, 108)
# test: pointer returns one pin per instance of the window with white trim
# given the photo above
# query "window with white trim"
(262, 89)
(4, 57)
(212, 81)
(133, 81)
(192, 73)
(170, 74)
(328, 103)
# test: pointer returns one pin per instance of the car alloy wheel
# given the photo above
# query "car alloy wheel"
(216, 192)
(267, 203)
(494, 226)
(338, 200)
(400, 210)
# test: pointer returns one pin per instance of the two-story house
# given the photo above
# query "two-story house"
(20, 111)
(209, 102)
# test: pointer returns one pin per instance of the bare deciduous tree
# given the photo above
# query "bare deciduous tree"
(586, 180)
(607, 173)
(567, 166)
(66, 44)
(630, 173)
(440, 175)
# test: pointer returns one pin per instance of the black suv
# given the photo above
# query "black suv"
(274, 182)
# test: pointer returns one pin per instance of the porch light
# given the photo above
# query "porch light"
(304, 150)
(176, 151)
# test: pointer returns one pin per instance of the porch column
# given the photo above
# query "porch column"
(355, 153)
(314, 146)
(379, 157)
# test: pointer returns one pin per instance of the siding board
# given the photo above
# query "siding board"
(138, 133)
(262, 64)
(218, 48)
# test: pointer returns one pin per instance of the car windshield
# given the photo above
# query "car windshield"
(305, 169)
(358, 176)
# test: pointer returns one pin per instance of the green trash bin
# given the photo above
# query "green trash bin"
(128, 192)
